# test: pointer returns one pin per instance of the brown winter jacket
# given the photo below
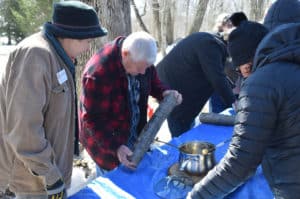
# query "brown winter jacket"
(36, 119)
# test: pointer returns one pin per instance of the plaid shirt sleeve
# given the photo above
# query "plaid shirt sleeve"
(92, 133)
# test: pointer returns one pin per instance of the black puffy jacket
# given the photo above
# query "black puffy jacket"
(267, 126)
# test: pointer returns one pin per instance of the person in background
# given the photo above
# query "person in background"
(243, 55)
(267, 127)
(236, 18)
(37, 100)
(233, 73)
(222, 26)
(226, 22)
(194, 67)
(116, 84)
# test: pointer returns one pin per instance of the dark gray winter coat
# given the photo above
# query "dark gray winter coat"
(267, 128)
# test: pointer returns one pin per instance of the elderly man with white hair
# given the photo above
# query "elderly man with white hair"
(113, 104)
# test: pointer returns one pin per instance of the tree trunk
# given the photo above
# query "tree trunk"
(156, 21)
(114, 15)
(138, 17)
(170, 22)
(187, 11)
(200, 12)
(163, 28)
(216, 8)
(9, 36)
(256, 9)
(167, 26)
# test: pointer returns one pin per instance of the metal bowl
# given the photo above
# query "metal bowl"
(197, 157)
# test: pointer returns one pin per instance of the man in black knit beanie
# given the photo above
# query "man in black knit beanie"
(242, 44)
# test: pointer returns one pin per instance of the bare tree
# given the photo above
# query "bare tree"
(164, 24)
(187, 14)
(156, 7)
(200, 12)
(138, 16)
(170, 18)
(114, 15)
(257, 9)
(214, 9)
(163, 20)
(236, 7)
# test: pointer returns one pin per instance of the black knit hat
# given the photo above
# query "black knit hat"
(237, 17)
(243, 41)
(76, 20)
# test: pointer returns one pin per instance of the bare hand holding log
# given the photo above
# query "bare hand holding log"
(171, 99)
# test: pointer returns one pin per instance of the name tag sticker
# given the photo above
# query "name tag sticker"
(61, 76)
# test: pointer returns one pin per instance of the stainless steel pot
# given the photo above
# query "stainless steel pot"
(196, 157)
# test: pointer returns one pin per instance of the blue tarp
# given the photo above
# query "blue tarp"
(123, 183)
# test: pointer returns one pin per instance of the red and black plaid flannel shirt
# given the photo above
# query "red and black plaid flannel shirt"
(104, 112)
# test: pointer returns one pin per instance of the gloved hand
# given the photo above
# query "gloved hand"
(57, 190)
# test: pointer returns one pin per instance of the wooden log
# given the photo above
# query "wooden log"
(217, 119)
(150, 130)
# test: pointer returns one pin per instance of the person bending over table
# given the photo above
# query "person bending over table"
(195, 67)
(113, 104)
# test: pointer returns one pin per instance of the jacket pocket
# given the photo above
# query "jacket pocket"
(60, 102)
(24, 180)
(60, 89)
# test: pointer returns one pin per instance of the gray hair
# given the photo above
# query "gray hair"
(142, 46)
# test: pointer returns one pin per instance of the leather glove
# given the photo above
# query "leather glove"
(57, 190)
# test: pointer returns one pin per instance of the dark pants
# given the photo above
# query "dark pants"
(178, 127)
(216, 105)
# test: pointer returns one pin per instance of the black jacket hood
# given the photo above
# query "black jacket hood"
(281, 44)
(282, 12)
